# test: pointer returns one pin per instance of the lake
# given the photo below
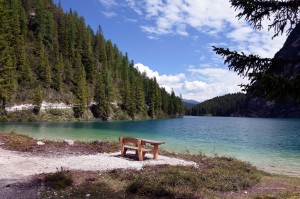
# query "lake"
(270, 144)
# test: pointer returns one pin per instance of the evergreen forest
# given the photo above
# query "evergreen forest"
(50, 55)
(226, 105)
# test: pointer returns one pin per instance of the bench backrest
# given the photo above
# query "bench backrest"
(129, 139)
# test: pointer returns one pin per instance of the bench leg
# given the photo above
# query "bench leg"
(123, 152)
(140, 155)
(155, 152)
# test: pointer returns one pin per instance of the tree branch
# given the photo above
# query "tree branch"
(285, 13)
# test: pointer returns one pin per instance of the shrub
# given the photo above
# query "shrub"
(59, 180)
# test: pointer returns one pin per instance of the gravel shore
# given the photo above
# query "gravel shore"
(16, 166)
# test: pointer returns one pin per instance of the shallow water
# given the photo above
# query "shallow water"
(270, 144)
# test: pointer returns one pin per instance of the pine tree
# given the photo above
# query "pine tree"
(7, 67)
(38, 96)
(44, 68)
(58, 74)
(80, 87)
(265, 78)
(126, 84)
(100, 98)
(139, 96)
(68, 72)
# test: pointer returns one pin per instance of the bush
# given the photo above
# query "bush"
(59, 180)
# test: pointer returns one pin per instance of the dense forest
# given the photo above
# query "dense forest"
(49, 55)
(226, 105)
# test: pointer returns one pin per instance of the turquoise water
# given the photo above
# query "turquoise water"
(270, 144)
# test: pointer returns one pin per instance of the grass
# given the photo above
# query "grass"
(178, 181)
(59, 180)
(18, 142)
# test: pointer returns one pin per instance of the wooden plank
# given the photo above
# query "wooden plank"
(152, 141)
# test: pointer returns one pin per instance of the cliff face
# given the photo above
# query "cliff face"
(290, 52)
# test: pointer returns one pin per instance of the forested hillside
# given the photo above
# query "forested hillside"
(49, 55)
(226, 105)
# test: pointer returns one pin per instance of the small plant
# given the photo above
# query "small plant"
(59, 180)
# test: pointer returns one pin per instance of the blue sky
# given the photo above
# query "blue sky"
(172, 39)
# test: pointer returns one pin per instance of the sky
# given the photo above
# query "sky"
(172, 40)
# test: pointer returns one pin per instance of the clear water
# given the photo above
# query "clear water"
(270, 144)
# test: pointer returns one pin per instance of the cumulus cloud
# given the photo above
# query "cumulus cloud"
(108, 3)
(212, 82)
(209, 83)
(191, 19)
(168, 82)
(178, 16)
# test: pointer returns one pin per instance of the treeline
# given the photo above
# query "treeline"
(49, 55)
(225, 105)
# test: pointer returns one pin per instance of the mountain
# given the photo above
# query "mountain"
(287, 66)
(50, 56)
(190, 101)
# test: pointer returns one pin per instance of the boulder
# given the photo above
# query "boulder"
(69, 142)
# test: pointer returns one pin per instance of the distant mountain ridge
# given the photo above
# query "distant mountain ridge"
(190, 101)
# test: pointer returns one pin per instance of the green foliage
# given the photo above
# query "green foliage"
(285, 13)
(220, 106)
(7, 61)
(38, 95)
(58, 74)
(42, 45)
(59, 180)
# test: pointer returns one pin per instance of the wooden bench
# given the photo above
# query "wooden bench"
(139, 146)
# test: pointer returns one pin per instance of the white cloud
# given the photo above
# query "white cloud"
(214, 19)
(132, 4)
(108, 3)
(169, 82)
(209, 83)
(109, 14)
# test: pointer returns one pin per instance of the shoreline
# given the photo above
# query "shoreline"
(96, 168)
(269, 168)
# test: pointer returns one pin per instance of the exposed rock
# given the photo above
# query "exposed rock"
(40, 143)
(69, 142)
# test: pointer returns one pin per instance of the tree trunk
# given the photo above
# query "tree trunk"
(3, 107)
